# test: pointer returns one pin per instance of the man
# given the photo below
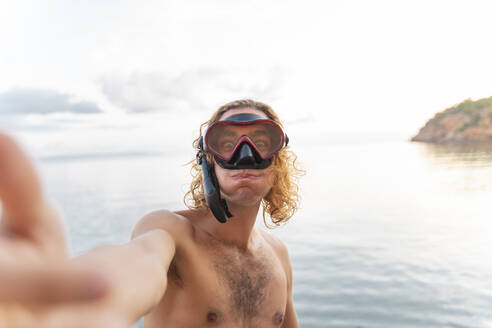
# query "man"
(205, 266)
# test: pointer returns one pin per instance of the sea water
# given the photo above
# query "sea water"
(388, 235)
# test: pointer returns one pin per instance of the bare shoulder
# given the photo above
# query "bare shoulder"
(176, 225)
(283, 255)
(278, 246)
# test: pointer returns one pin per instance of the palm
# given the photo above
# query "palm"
(36, 278)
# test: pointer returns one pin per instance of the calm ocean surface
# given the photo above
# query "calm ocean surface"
(389, 234)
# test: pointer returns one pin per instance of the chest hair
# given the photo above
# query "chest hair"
(245, 278)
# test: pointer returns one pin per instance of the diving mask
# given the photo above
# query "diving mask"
(244, 141)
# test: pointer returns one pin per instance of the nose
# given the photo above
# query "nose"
(245, 156)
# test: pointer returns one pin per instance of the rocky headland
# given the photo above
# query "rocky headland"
(469, 121)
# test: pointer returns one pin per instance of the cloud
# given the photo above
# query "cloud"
(191, 90)
(20, 101)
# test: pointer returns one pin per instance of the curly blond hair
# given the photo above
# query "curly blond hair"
(282, 200)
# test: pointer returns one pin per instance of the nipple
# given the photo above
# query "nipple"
(278, 318)
(212, 317)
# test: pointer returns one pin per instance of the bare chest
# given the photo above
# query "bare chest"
(251, 286)
(223, 287)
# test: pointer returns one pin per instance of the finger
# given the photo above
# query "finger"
(77, 317)
(20, 189)
(83, 316)
(47, 286)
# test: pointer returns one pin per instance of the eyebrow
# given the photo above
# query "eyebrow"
(259, 133)
(228, 133)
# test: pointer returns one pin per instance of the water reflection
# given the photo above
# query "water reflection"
(477, 154)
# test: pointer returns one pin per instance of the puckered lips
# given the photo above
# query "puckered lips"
(246, 175)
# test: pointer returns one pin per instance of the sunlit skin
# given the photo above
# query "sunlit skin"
(36, 276)
(181, 269)
(235, 245)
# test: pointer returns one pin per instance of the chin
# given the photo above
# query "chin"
(244, 196)
(244, 202)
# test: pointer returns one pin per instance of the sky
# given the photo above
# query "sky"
(80, 77)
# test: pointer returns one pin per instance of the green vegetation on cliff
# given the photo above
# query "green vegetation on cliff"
(467, 121)
(468, 106)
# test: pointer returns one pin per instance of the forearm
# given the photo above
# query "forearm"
(136, 273)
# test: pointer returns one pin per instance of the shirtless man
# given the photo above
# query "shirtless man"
(208, 266)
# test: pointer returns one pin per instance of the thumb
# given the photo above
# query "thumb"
(49, 285)
(20, 189)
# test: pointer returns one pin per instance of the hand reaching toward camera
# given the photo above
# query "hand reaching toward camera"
(39, 286)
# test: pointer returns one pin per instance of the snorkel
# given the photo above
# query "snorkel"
(235, 147)
(211, 188)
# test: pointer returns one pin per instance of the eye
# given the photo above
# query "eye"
(262, 144)
(226, 146)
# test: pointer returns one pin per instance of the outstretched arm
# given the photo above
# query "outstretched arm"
(41, 287)
(136, 273)
(35, 274)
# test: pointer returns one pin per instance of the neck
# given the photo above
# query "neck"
(238, 230)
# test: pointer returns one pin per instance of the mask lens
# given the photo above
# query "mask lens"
(223, 138)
